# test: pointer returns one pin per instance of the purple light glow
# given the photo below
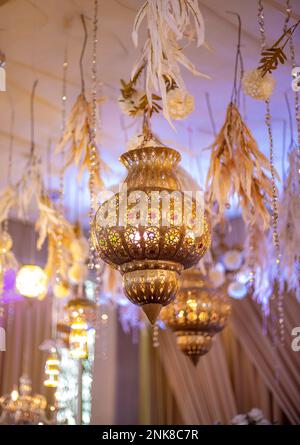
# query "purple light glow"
(9, 291)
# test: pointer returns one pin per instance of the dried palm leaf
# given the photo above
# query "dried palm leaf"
(258, 250)
(271, 57)
(50, 222)
(75, 141)
(168, 22)
(289, 225)
(237, 166)
(30, 187)
(7, 201)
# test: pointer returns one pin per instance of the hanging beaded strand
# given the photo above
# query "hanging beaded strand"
(61, 174)
(297, 112)
(94, 259)
(280, 308)
(93, 133)
(155, 336)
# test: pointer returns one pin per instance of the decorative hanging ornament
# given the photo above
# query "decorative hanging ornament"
(171, 26)
(197, 315)
(21, 407)
(233, 260)
(237, 166)
(52, 369)
(258, 86)
(81, 315)
(78, 339)
(144, 233)
(32, 282)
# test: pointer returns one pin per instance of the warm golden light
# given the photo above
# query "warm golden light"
(79, 339)
(32, 282)
(198, 313)
(14, 395)
(52, 370)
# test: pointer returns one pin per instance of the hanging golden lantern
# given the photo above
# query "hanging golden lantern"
(52, 370)
(150, 240)
(32, 282)
(81, 315)
(198, 313)
(78, 340)
(21, 407)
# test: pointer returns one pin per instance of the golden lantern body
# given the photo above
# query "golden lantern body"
(144, 233)
(198, 313)
(78, 339)
(52, 370)
(32, 282)
(81, 316)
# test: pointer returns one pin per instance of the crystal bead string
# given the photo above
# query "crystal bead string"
(297, 109)
(280, 308)
(94, 262)
(93, 133)
(61, 173)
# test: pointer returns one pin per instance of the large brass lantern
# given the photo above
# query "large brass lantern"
(150, 231)
(198, 313)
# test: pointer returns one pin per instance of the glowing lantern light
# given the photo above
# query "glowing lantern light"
(52, 370)
(32, 282)
(198, 313)
(78, 339)
(81, 314)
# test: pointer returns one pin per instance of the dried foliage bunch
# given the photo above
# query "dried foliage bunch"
(77, 139)
(237, 166)
(30, 193)
(171, 24)
(289, 229)
(133, 101)
(258, 253)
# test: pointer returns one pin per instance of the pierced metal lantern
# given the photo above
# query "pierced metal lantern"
(151, 230)
(197, 315)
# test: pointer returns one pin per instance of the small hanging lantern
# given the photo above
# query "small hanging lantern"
(78, 339)
(81, 315)
(32, 282)
(52, 369)
(198, 313)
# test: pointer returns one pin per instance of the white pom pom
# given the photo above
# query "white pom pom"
(257, 86)
(180, 104)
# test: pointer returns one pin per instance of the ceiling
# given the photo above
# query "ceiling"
(34, 35)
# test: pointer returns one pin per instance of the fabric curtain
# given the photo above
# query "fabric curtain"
(243, 370)
(204, 394)
(104, 370)
(278, 367)
(27, 323)
(158, 404)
